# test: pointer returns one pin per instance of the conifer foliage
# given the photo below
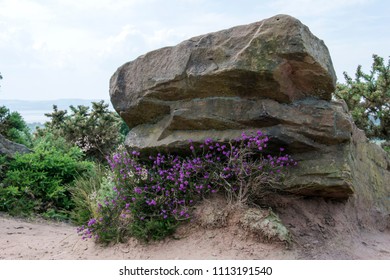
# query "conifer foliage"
(95, 130)
(368, 98)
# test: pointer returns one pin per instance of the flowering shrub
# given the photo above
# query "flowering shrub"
(152, 196)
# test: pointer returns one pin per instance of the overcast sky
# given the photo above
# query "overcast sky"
(52, 49)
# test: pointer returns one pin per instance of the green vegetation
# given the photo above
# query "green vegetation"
(64, 165)
(368, 98)
(36, 182)
(95, 131)
(90, 190)
(14, 128)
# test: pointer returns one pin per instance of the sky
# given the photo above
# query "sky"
(59, 49)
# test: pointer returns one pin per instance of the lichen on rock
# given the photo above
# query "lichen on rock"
(265, 224)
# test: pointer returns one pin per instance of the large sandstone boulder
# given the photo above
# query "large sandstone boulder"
(273, 75)
(9, 148)
(277, 58)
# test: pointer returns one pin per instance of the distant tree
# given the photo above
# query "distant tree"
(96, 131)
(14, 128)
(368, 98)
(57, 119)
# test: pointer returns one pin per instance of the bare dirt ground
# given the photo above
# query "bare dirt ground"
(21, 239)
(317, 237)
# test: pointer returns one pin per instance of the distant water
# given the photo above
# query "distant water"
(31, 116)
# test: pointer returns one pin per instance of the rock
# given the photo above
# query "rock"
(9, 148)
(277, 58)
(370, 177)
(274, 76)
(265, 224)
(271, 74)
(357, 169)
(305, 125)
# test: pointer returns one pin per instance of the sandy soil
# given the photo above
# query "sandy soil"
(39, 239)
(21, 239)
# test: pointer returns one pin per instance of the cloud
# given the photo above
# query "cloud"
(314, 8)
(115, 43)
(104, 5)
(25, 10)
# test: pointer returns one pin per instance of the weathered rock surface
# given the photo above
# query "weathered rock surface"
(273, 75)
(9, 148)
(277, 58)
(265, 224)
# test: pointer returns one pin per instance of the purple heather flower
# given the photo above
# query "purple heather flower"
(91, 222)
(151, 202)
(137, 190)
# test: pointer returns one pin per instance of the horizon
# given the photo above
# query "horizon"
(40, 107)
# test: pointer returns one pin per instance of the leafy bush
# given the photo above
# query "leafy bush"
(152, 196)
(368, 98)
(36, 182)
(3, 166)
(13, 127)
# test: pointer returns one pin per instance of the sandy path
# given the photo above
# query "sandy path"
(40, 239)
(22, 239)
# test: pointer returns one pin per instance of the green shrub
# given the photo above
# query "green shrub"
(3, 167)
(36, 182)
(14, 128)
